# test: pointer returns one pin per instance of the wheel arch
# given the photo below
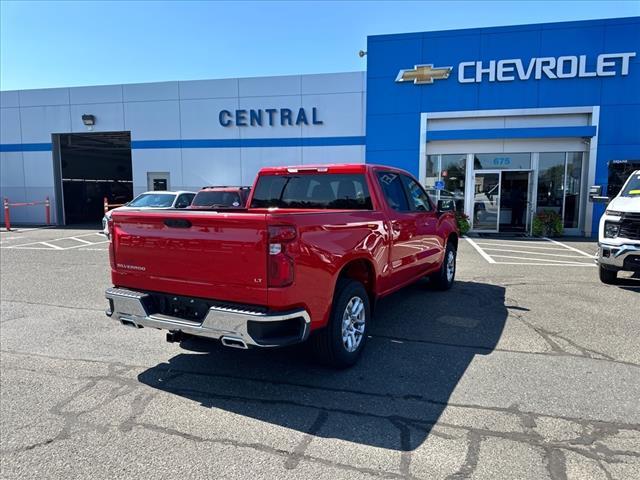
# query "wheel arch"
(453, 239)
(363, 270)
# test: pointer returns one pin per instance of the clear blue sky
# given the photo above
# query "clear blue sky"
(52, 44)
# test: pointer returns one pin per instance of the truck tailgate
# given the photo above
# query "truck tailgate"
(211, 255)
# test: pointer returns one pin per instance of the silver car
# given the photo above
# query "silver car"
(156, 200)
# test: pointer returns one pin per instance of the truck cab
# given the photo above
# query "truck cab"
(619, 231)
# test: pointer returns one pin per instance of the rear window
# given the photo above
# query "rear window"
(217, 199)
(326, 191)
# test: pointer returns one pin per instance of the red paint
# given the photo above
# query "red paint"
(226, 255)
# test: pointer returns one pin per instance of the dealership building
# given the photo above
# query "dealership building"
(507, 121)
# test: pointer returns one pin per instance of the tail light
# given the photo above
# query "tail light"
(280, 265)
(112, 253)
(109, 227)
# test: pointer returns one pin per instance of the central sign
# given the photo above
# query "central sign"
(268, 116)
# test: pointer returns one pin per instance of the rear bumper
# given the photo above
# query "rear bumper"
(619, 257)
(235, 326)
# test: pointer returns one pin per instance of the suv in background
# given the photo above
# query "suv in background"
(221, 197)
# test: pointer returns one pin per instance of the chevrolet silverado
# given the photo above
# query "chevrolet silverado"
(307, 259)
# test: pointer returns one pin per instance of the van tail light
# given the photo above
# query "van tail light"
(280, 265)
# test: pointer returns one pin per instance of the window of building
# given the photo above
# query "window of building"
(559, 185)
(449, 169)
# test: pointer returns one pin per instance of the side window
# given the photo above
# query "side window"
(418, 199)
(393, 190)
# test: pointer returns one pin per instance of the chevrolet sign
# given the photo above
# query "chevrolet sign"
(508, 70)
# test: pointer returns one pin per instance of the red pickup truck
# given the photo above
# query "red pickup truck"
(306, 259)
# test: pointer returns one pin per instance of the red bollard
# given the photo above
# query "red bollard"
(7, 220)
(47, 211)
(106, 205)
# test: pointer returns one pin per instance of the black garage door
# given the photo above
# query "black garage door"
(94, 166)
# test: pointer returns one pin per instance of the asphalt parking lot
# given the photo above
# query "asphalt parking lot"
(528, 368)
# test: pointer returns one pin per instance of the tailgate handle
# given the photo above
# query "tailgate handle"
(177, 223)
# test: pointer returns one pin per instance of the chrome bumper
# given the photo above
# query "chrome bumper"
(614, 257)
(228, 324)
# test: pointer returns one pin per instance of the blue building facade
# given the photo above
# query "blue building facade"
(511, 122)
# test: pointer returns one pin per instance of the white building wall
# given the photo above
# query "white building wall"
(168, 112)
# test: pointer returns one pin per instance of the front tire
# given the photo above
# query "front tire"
(444, 277)
(607, 276)
(341, 342)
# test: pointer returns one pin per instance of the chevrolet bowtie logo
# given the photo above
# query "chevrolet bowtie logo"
(421, 74)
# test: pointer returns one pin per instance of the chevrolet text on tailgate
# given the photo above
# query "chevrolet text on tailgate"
(306, 260)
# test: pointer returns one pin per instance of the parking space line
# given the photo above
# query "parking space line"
(570, 247)
(50, 245)
(81, 240)
(81, 246)
(548, 264)
(480, 250)
(520, 246)
(55, 247)
(550, 260)
(531, 253)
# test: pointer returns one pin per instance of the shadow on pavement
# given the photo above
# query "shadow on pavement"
(422, 341)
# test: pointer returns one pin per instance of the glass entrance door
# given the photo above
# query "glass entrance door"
(486, 201)
(514, 201)
(502, 201)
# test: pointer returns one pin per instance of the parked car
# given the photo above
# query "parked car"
(307, 259)
(619, 231)
(152, 201)
(221, 197)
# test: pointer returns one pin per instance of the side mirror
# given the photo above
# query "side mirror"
(182, 205)
(595, 194)
(446, 206)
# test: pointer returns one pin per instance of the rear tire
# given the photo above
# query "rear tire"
(607, 276)
(341, 342)
(446, 274)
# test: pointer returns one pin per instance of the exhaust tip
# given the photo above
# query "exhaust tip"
(129, 323)
(233, 342)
